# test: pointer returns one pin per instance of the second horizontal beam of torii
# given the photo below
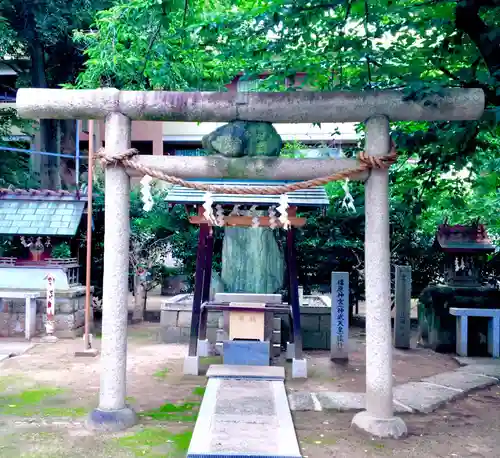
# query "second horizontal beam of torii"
(275, 107)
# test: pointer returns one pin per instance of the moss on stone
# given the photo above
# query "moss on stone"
(244, 138)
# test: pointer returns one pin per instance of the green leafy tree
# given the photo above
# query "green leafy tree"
(41, 30)
(409, 45)
(14, 168)
(150, 44)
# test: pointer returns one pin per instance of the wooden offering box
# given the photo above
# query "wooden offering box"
(247, 324)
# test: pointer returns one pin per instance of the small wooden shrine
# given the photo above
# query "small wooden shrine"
(465, 248)
(41, 221)
(251, 211)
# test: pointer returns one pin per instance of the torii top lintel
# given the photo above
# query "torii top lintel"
(275, 107)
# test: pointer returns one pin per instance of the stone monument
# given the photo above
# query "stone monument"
(340, 316)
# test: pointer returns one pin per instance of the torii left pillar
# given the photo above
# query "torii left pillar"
(113, 414)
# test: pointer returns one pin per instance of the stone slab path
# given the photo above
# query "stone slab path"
(424, 396)
(244, 416)
(9, 349)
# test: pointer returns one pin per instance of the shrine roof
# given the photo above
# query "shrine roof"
(40, 212)
(313, 197)
(463, 239)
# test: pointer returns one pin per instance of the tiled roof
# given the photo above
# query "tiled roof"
(40, 212)
(312, 197)
(463, 238)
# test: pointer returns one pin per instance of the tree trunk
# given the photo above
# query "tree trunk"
(44, 167)
(139, 300)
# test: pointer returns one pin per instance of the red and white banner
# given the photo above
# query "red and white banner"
(50, 303)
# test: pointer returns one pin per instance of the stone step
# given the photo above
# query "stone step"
(423, 397)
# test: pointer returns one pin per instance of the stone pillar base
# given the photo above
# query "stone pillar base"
(219, 348)
(191, 365)
(299, 368)
(393, 427)
(111, 420)
(290, 351)
(203, 348)
(49, 339)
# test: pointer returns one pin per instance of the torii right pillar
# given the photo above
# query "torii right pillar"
(378, 419)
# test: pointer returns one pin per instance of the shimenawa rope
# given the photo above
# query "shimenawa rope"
(365, 163)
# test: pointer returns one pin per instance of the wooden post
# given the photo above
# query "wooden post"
(208, 266)
(299, 364)
(87, 338)
(203, 344)
(50, 311)
(191, 362)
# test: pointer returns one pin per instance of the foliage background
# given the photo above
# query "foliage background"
(411, 45)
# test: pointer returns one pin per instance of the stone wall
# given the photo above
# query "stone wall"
(69, 317)
(316, 328)
(176, 323)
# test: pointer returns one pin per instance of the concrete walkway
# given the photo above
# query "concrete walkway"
(244, 413)
(413, 397)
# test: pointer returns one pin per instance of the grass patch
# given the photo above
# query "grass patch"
(207, 360)
(157, 442)
(186, 412)
(37, 401)
(162, 373)
(199, 391)
(319, 440)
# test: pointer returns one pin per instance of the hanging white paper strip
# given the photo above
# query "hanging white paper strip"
(283, 209)
(146, 197)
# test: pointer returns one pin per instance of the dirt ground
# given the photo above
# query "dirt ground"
(46, 393)
(465, 429)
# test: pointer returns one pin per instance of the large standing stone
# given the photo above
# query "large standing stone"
(243, 138)
(252, 261)
(402, 323)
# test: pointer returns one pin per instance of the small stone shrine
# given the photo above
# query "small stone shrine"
(43, 224)
(464, 249)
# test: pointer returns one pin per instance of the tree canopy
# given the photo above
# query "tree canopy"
(445, 169)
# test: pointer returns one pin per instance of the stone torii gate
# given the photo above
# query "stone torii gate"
(376, 109)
